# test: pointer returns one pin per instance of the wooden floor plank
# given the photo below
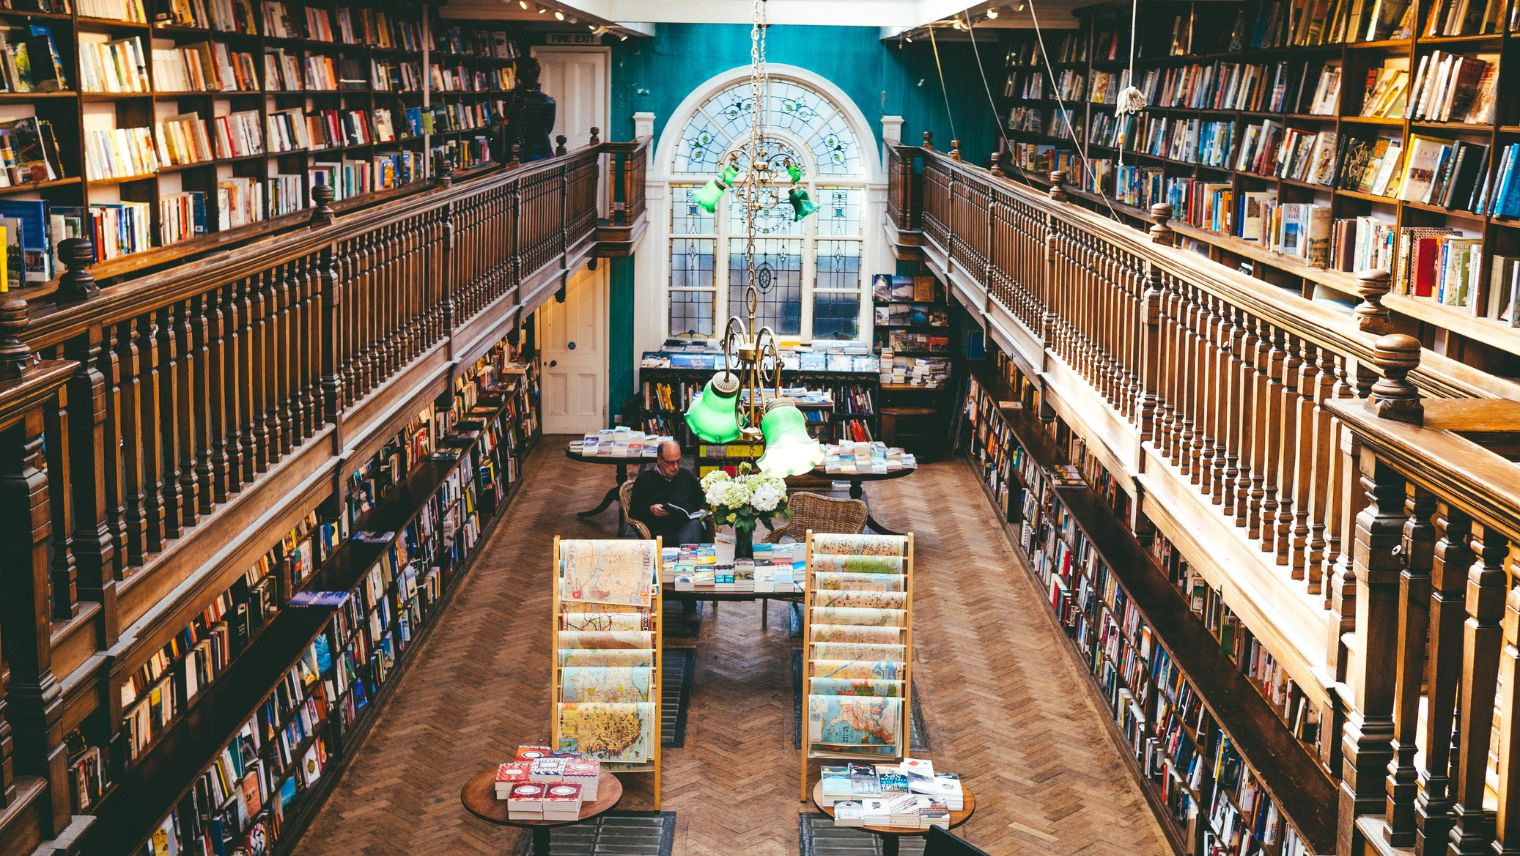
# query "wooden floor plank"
(1000, 691)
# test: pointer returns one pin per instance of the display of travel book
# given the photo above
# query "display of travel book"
(605, 654)
(857, 635)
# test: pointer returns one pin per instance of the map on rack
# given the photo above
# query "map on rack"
(579, 683)
(611, 733)
(605, 571)
(855, 723)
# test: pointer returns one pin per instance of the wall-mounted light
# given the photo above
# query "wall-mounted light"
(623, 37)
(542, 10)
(573, 21)
(523, 5)
(909, 38)
(992, 13)
(559, 15)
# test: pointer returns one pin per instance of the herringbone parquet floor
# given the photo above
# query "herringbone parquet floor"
(1002, 698)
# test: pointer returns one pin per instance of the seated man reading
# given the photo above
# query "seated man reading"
(665, 496)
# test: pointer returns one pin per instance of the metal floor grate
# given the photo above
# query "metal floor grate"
(918, 735)
(619, 833)
(818, 836)
(675, 691)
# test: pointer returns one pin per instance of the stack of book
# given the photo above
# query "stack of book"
(909, 795)
(619, 443)
(848, 457)
(695, 567)
(540, 766)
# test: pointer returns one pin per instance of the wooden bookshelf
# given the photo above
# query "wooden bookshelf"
(1463, 332)
(454, 110)
(1171, 691)
(470, 473)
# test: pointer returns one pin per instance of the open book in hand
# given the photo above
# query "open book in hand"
(690, 515)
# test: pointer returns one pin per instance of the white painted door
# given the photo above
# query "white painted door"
(580, 82)
(574, 344)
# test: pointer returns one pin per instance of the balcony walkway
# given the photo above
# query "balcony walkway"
(1003, 699)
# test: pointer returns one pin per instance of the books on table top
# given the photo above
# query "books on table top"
(890, 795)
(620, 442)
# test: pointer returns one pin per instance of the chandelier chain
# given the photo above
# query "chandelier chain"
(759, 94)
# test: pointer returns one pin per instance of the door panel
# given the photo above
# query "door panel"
(574, 339)
(578, 80)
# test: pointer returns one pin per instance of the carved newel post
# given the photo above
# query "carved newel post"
(321, 211)
(596, 136)
(929, 141)
(559, 145)
(997, 163)
(1057, 191)
(1393, 396)
(446, 169)
(76, 283)
(955, 149)
(15, 356)
(1371, 315)
(1161, 232)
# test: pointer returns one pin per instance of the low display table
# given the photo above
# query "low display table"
(889, 835)
(712, 594)
(857, 491)
(479, 798)
(621, 462)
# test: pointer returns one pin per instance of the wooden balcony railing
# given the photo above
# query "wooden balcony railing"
(1233, 395)
(147, 424)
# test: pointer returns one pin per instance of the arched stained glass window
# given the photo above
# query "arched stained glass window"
(809, 273)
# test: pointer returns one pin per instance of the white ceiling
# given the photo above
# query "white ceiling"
(890, 15)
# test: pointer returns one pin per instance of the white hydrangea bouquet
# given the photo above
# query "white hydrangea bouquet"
(744, 501)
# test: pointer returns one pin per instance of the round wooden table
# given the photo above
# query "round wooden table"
(479, 798)
(622, 464)
(857, 491)
(889, 835)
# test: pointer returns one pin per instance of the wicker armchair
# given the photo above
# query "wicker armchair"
(625, 495)
(820, 514)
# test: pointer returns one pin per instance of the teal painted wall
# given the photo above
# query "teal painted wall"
(620, 361)
(654, 75)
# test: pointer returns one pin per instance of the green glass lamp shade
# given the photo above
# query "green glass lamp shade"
(802, 205)
(789, 450)
(712, 192)
(794, 171)
(714, 415)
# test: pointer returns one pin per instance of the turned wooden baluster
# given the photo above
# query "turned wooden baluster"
(1507, 820)
(282, 287)
(1369, 729)
(152, 420)
(1307, 391)
(1224, 400)
(222, 399)
(245, 385)
(348, 324)
(203, 312)
(113, 445)
(1417, 551)
(330, 339)
(1232, 504)
(1452, 558)
(1187, 433)
(1472, 830)
(185, 410)
(1166, 411)
(1266, 524)
(1150, 356)
(1261, 428)
(1287, 451)
(134, 518)
(1207, 381)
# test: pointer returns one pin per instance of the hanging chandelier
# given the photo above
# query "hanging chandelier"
(751, 355)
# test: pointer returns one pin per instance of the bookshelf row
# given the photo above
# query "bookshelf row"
(851, 412)
(148, 126)
(1211, 800)
(320, 623)
(1315, 137)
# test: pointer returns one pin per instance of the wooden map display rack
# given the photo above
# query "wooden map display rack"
(656, 675)
(905, 635)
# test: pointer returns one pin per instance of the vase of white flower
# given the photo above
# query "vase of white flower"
(743, 502)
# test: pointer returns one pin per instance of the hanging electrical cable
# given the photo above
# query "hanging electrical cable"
(933, 43)
(1131, 100)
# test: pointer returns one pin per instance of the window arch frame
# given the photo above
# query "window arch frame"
(673, 173)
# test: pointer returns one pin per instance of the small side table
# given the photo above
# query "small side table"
(889, 835)
(479, 798)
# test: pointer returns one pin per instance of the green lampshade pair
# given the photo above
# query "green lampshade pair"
(802, 205)
(789, 449)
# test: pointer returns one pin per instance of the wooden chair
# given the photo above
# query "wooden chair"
(625, 494)
(821, 514)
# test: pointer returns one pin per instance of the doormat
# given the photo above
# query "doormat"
(618, 833)
(675, 695)
(818, 836)
(918, 736)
